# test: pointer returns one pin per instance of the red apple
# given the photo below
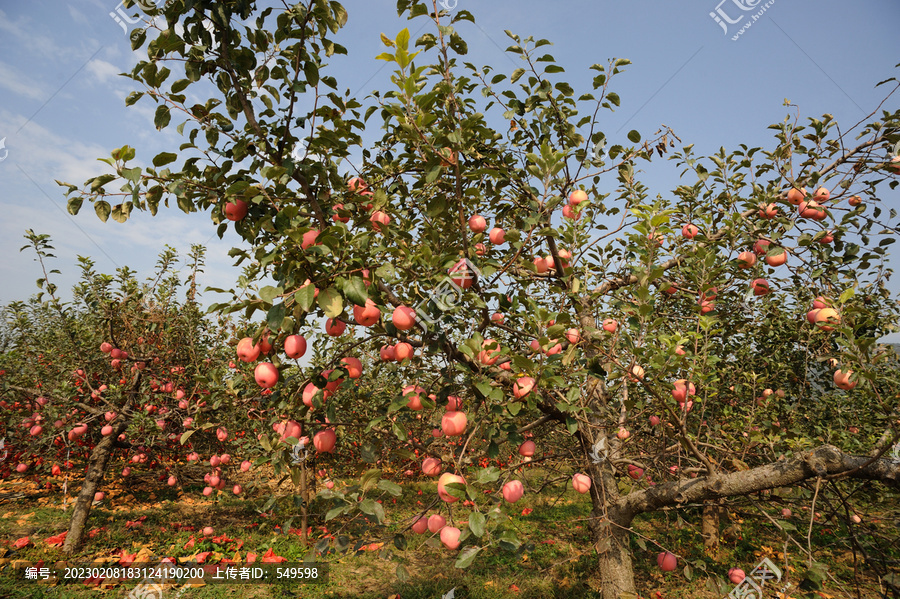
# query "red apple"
(413, 394)
(325, 440)
(450, 537)
(577, 196)
(689, 231)
(795, 196)
(477, 223)
(464, 277)
(490, 352)
(527, 449)
(266, 375)
(682, 390)
(436, 522)
(822, 194)
(354, 367)
(736, 575)
(746, 259)
(842, 380)
(295, 346)
(513, 491)
(420, 526)
(334, 327)
(666, 561)
(581, 483)
(404, 318)
(309, 239)
(403, 351)
(431, 466)
(760, 287)
(366, 315)
(235, 211)
(379, 219)
(446, 479)
(523, 386)
(828, 316)
(453, 423)
(497, 236)
(247, 351)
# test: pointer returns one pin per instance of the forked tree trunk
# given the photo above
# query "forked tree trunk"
(609, 527)
(95, 473)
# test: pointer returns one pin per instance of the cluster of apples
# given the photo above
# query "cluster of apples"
(810, 208)
(822, 315)
(438, 524)
(571, 210)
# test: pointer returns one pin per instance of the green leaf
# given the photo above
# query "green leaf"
(372, 508)
(102, 208)
(133, 97)
(403, 39)
(138, 36)
(162, 117)
(305, 296)
(311, 70)
(164, 158)
(634, 136)
(370, 478)
(275, 316)
(390, 487)
(269, 293)
(402, 574)
(335, 512)
(466, 557)
(847, 295)
(487, 475)
(331, 302)
(355, 290)
(187, 435)
(476, 523)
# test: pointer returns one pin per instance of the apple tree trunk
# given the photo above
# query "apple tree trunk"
(96, 471)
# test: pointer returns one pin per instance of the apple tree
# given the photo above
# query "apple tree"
(125, 366)
(694, 346)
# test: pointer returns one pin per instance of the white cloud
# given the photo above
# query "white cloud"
(20, 84)
(103, 71)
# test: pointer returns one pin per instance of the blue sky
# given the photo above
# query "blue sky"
(63, 102)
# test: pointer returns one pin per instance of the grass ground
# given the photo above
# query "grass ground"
(557, 558)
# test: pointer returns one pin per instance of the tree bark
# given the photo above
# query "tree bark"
(95, 473)
(710, 525)
(609, 525)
